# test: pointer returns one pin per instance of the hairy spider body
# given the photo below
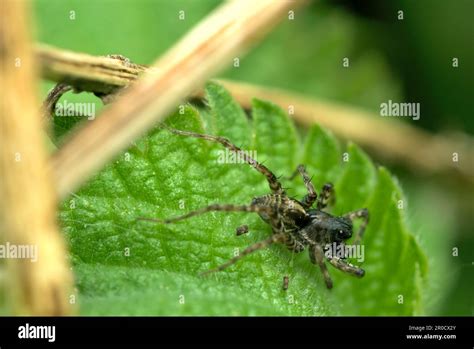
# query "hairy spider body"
(293, 217)
(294, 223)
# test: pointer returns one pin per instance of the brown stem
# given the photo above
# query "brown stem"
(28, 198)
(103, 74)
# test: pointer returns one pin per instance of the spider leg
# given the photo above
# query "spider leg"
(325, 196)
(252, 248)
(364, 214)
(316, 254)
(273, 182)
(215, 207)
(309, 198)
(286, 281)
(292, 243)
(346, 267)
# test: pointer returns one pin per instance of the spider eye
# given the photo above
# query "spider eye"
(341, 232)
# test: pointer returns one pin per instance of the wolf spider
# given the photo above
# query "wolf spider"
(294, 222)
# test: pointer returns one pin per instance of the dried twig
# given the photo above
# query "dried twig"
(53, 97)
(390, 139)
(226, 32)
(86, 72)
(28, 200)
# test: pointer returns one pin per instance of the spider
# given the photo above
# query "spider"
(294, 223)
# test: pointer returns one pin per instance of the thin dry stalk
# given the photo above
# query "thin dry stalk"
(28, 198)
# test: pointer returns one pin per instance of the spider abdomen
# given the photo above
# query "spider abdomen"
(289, 211)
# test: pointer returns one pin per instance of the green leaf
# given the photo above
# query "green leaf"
(321, 156)
(275, 137)
(227, 117)
(356, 181)
(128, 266)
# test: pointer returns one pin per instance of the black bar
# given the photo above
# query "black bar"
(319, 330)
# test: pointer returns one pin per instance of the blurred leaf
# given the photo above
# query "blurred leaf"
(125, 266)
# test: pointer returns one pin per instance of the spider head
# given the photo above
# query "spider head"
(336, 229)
(340, 229)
